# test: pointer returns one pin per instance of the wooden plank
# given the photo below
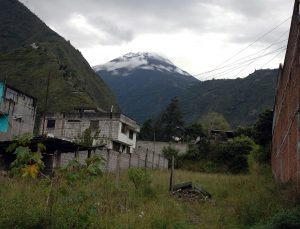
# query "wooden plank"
(182, 186)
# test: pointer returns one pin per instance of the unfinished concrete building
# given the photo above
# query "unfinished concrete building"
(116, 130)
(286, 141)
(17, 112)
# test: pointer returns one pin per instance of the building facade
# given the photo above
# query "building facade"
(17, 112)
(116, 130)
(286, 122)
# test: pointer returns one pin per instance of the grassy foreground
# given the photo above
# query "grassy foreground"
(241, 201)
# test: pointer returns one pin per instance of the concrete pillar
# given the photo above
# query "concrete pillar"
(58, 159)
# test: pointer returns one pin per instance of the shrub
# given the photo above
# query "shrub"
(168, 152)
(27, 163)
(76, 171)
(234, 154)
(285, 219)
(138, 177)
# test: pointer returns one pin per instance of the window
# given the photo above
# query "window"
(4, 123)
(131, 134)
(94, 124)
(124, 128)
(116, 146)
(50, 123)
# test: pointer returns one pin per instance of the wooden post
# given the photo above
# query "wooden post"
(118, 170)
(159, 161)
(172, 175)
(107, 160)
(139, 157)
(152, 159)
(146, 159)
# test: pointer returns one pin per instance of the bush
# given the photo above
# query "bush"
(141, 181)
(27, 163)
(234, 154)
(138, 177)
(76, 171)
(285, 219)
(168, 152)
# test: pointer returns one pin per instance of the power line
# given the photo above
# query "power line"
(237, 63)
(243, 63)
(271, 59)
(248, 46)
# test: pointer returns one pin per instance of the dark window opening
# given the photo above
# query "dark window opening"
(116, 146)
(131, 134)
(51, 123)
(124, 128)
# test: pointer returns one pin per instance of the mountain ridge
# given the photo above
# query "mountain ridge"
(239, 100)
(30, 51)
(144, 83)
(143, 93)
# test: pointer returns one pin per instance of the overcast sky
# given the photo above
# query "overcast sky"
(196, 35)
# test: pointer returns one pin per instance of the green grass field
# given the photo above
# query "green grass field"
(240, 201)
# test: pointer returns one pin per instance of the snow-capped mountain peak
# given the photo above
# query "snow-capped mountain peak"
(141, 60)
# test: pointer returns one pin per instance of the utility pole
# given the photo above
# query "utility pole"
(46, 103)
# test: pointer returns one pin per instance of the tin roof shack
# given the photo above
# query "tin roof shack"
(17, 112)
(52, 156)
(117, 131)
(286, 120)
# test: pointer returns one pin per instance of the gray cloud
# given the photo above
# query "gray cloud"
(120, 21)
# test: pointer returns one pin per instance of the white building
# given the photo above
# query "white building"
(17, 112)
(116, 130)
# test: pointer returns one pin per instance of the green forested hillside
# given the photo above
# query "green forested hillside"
(72, 81)
(239, 100)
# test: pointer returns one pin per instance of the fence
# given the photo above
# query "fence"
(141, 158)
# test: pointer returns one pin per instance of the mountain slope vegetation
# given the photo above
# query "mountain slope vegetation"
(239, 100)
(30, 51)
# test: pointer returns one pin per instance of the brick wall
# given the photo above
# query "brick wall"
(285, 155)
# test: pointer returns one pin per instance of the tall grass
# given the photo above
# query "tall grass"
(239, 201)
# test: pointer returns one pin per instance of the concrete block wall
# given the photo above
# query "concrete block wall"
(139, 159)
(157, 147)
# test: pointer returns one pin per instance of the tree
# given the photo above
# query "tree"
(87, 138)
(247, 130)
(215, 121)
(195, 130)
(170, 151)
(263, 128)
(147, 130)
(171, 118)
(234, 154)
(263, 136)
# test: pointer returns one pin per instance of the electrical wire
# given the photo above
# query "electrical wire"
(243, 63)
(248, 46)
